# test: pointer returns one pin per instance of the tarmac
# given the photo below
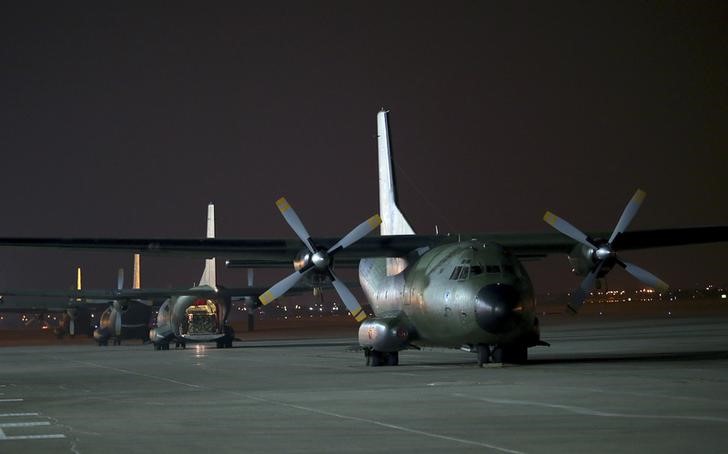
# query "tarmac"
(604, 386)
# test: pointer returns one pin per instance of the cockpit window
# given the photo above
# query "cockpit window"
(455, 273)
(476, 270)
(464, 273)
(492, 269)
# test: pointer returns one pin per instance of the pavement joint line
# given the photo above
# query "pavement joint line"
(131, 372)
(10, 415)
(11, 400)
(590, 412)
(386, 425)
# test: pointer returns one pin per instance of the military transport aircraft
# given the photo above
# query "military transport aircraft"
(197, 314)
(76, 316)
(121, 318)
(465, 291)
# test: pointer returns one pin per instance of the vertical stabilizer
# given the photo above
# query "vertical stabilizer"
(393, 221)
(208, 276)
(137, 276)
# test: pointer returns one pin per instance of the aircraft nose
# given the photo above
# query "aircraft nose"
(494, 307)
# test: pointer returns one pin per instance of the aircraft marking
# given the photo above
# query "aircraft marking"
(24, 424)
(4, 437)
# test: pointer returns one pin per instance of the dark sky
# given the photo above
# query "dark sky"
(125, 119)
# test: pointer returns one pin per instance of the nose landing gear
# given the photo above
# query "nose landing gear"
(502, 353)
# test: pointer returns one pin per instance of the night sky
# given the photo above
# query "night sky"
(125, 119)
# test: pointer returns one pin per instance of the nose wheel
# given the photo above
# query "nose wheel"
(376, 358)
(484, 354)
(502, 353)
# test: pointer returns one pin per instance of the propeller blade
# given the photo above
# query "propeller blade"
(72, 327)
(348, 298)
(645, 276)
(628, 214)
(294, 221)
(358, 233)
(117, 324)
(577, 300)
(282, 287)
(567, 229)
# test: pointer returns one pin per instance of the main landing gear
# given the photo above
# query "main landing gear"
(507, 353)
(161, 345)
(376, 358)
(227, 340)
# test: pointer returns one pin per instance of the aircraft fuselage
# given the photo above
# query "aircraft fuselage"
(188, 318)
(464, 293)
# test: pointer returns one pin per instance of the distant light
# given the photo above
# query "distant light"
(723, 296)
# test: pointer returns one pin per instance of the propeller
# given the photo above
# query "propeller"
(320, 260)
(603, 253)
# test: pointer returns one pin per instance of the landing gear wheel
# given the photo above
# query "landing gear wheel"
(229, 336)
(515, 354)
(497, 354)
(483, 354)
(510, 353)
(392, 359)
(376, 358)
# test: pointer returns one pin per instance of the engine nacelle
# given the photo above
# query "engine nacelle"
(384, 335)
(315, 279)
(581, 259)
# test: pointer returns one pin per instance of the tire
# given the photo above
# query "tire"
(515, 354)
(497, 354)
(483, 354)
(375, 358)
(392, 359)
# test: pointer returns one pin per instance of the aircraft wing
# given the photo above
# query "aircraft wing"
(105, 296)
(21, 307)
(281, 252)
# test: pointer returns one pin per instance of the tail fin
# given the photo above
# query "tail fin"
(393, 221)
(137, 277)
(208, 276)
